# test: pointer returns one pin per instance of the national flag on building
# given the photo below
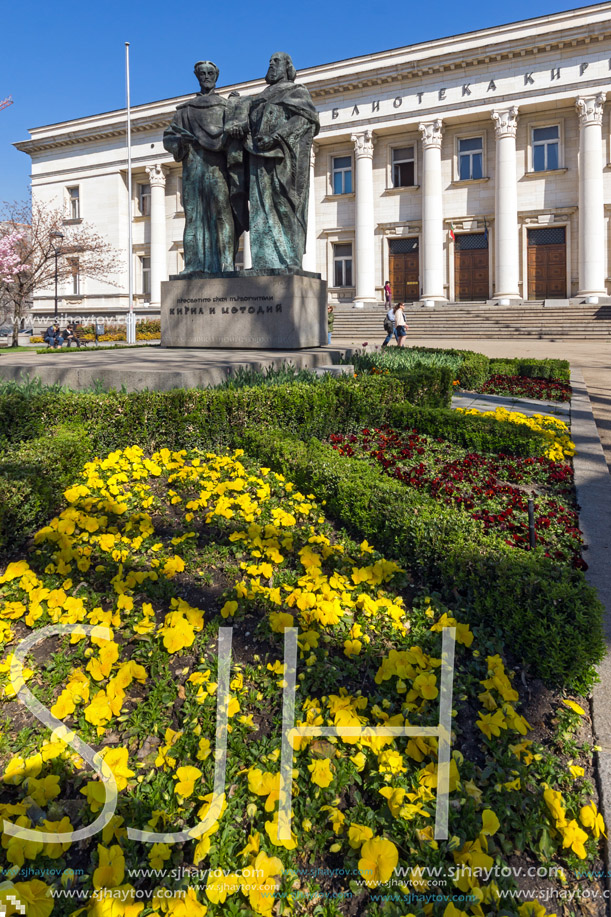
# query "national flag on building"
(452, 236)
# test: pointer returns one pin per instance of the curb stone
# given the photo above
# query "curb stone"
(593, 487)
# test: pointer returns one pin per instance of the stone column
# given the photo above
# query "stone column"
(506, 251)
(309, 258)
(432, 213)
(591, 200)
(365, 241)
(159, 269)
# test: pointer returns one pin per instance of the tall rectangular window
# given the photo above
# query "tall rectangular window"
(342, 175)
(75, 277)
(403, 167)
(342, 265)
(546, 148)
(470, 156)
(74, 203)
(144, 199)
(145, 275)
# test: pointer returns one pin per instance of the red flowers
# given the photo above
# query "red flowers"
(491, 488)
(521, 387)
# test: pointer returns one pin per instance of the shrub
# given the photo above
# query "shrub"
(547, 613)
(182, 418)
(33, 476)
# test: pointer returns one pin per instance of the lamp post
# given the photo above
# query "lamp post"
(59, 236)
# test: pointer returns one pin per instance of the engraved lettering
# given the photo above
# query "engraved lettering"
(398, 102)
(442, 94)
(172, 311)
(465, 89)
(375, 106)
(335, 113)
(419, 94)
(179, 312)
(279, 307)
(491, 86)
(242, 309)
(260, 311)
(251, 310)
(528, 78)
(212, 310)
(555, 73)
(583, 67)
(355, 111)
(269, 309)
(234, 310)
(225, 310)
(200, 311)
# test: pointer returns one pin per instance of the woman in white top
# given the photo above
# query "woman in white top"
(400, 325)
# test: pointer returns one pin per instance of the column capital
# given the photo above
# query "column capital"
(157, 174)
(363, 145)
(505, 122)
(431, 133)
(590, 109)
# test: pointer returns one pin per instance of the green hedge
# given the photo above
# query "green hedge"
(480, 433)
(559, 370)
(33, 477)
(547, 614)
(471, 368)
(183, 418)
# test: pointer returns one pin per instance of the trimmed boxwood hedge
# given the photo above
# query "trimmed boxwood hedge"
(547, 614)
(185, 417)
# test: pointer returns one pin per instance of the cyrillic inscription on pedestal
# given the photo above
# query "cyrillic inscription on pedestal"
(275, 312)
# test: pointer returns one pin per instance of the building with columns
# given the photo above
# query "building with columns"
(471, 168)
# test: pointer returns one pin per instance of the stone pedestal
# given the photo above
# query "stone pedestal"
(245, 310)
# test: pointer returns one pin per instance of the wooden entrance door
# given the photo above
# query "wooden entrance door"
(547, 263)
(404, 270)
(471, 276)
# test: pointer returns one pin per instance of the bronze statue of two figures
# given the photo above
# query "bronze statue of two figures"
(246, 166)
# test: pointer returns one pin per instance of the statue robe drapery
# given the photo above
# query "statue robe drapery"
(213, 182)
(279, 177)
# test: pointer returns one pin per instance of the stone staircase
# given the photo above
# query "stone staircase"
(530, 320)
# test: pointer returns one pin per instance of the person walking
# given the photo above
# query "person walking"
(389, 327)
(330, 321)
(387, 293)
(400, 324)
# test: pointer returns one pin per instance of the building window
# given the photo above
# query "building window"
(546, 145)
(144, 199)
(403, 167)
(342, 265)
(74, 204)
(342, 175)
(470, 156)
(145, 276)
(75, 277)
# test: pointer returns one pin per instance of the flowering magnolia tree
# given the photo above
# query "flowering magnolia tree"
(28, 262)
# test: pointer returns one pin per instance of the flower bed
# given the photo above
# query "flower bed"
(162, 551)
(519, 387)
(492, 489)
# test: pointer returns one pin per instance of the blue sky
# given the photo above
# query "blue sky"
(65, 59)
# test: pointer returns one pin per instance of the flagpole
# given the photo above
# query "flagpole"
(131, 326)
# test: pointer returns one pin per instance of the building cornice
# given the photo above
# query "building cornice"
(457, 55)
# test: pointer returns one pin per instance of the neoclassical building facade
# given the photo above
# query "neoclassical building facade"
(472, 168)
